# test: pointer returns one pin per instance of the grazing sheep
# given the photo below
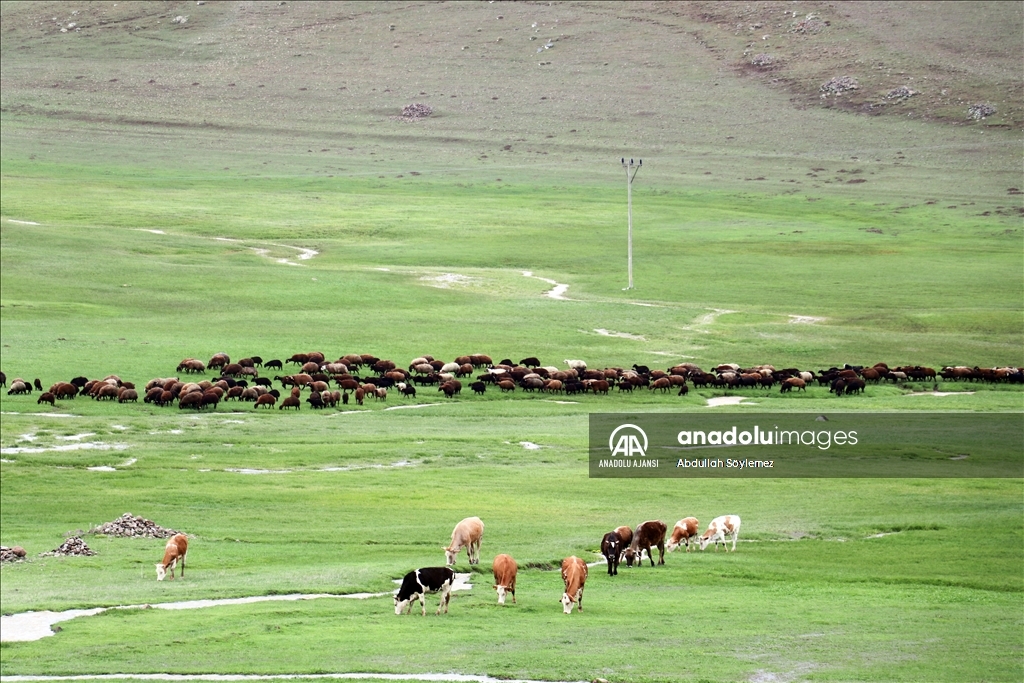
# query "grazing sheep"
(127, 395)
(267, 400)
(46, 397)
(273, 364)
(408, 390)
(290, 402)
(191, 365)
(359, 395)
(38, 384)
(219, 360)
(793, 383)
(3, 380)
(19, 386)
(64, 390)
(576, 364)
(107, 391)
(192, 400)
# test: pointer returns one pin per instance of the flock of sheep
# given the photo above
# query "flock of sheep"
(363, 376)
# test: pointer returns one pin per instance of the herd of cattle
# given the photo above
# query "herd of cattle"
(621, 543)
(364, 376)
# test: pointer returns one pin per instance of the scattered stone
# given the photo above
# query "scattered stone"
(417, 111)
(980, 111)
(15, 554)
(809, 25)
(73, 546)
(900, 93)
(129, 526)
(838, 85)
(763, 60)
(179, 19)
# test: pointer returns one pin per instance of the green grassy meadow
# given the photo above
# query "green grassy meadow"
(159, 182)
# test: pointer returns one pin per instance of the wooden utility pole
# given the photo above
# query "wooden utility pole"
(629, 212)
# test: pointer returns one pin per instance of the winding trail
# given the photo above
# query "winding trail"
(558, 290)
(304, 253)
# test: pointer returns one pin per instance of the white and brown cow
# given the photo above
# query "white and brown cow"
(684, 531)
(467, 533)
(417, 583)
(720, 527)
(574, 574)
(175, 550)
(505, 569)
(649, 534)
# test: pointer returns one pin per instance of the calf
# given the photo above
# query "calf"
(574, 574)
(626, 539)
(505, 569)
(417, 583)
(648, 534)
(468, 533)
(720, 527)
(611, 548)
(176, 548)
(684, 530)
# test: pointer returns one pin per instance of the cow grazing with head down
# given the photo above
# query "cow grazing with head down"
(417, 583)
(574, 574)
(611, 548)
(720, 527)
(684, 530)
(648, 534)
(505, 569)
(468, 533)
(176, 549)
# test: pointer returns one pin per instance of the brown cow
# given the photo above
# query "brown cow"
(648, 534)
(176, 549)
(505, 569)
(574, 574)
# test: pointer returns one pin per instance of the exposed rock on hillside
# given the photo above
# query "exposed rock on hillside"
(127, 525)
(838, 85)
(980, 111)
(72, 546)
(417, 111)
(15, 554)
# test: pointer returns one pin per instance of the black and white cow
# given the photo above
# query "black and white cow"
(419, 582)
(611, 548)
